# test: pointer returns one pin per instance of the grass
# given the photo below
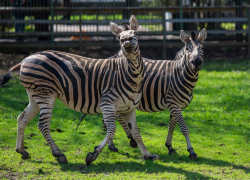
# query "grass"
(231, 26)
(218, 119)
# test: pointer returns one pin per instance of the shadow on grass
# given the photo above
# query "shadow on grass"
(202, 160)
(149, 166)
(14, 104)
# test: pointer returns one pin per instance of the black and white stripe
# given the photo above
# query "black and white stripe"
(169, 85)
(93, 86)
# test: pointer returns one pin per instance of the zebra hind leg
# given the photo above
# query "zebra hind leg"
(109, 120)
(23, 119)
(168, 143)
(185, 131)
(46, 104)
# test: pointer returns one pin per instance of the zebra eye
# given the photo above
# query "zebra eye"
(118, 36)
(135, 33)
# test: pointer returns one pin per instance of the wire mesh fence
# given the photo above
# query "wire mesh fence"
(52, 21)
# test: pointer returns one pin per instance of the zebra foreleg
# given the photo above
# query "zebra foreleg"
(111, 144)
(109, 120)
(127, 131)
(176, 113)
(23, 119)
(130, 120)
(46, 104)
(168, 143)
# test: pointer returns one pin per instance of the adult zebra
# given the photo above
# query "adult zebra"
(169, 85)
(85, 85)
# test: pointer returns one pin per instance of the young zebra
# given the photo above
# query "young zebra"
(169, 85)
(85, 85)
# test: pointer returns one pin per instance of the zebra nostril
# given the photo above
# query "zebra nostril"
(200, 62)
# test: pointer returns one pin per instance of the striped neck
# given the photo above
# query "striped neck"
(187, 75)
(135, 62)
(134, 69)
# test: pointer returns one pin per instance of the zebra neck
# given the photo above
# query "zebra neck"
(186, 74)
(134, 72)
(135, 64)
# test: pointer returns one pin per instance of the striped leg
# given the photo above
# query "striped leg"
(23, 119)
(130, 120)
(46, 104)
(127, 131)
(168, 143)
(176, 113)
(111, 144)
(109, 114)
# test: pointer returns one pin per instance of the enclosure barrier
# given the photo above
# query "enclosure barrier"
(78, 26)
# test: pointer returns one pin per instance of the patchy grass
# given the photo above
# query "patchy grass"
(218, 119)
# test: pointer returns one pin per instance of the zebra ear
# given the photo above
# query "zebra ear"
(184, 37)
(202, 35)
(115, 29)
(133, 23)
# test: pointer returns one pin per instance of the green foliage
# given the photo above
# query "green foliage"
(218, 120)
(158, 3)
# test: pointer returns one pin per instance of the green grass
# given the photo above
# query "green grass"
(218, 119)
(231, 26)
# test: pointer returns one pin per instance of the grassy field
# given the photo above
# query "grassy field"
(218, 119)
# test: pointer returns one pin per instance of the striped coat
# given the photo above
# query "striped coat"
(85, 85)
(169, 85)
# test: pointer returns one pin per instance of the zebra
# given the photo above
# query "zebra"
(169, 84)
(93, 86)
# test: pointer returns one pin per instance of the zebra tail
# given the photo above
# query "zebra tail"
(6, 77)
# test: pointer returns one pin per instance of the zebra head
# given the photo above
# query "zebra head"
(127, 36)
(194, 48)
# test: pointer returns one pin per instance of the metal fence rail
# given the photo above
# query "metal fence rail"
(85, 22)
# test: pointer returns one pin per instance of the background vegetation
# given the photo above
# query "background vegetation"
(218, 119)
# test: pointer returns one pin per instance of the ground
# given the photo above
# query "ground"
(218, 119)
(210, 54)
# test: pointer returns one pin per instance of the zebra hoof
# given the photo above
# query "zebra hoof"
(25, 155)
(91, 157)
(113, 148)
(152, 157)
(133, 143)
(62, 159)
(172, 151)
(193, 156)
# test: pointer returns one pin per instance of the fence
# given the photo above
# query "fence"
(78, 23)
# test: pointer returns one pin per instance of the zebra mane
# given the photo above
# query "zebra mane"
(179, 54)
